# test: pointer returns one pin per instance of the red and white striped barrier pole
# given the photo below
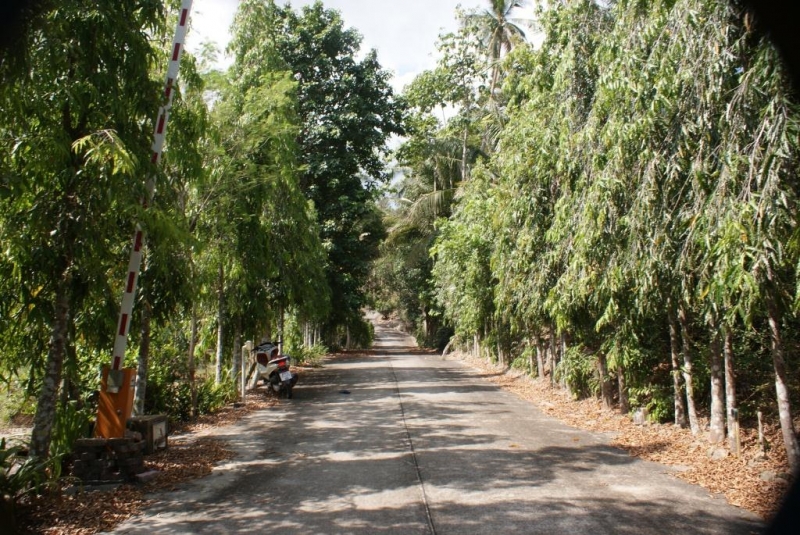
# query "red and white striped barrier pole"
(135, 263)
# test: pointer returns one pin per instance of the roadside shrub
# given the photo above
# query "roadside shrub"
(577, 371)
(173, 398)
(362, 333)
(211, 396)
(658, 400)
(20, 476)
(521, 363)
(16, 404)
(309, 356)
(71, 423)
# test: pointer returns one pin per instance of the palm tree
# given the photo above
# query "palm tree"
(499, 32)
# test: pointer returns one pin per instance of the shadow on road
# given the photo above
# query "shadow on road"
(337, 459)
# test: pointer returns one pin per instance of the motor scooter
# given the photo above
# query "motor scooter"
(274, 369)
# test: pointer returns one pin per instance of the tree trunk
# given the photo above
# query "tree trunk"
(220, 323)
(688, 365)
(144, 358)
(562, 346)
(46, 406)
(781, 389)
(605, 384)
(236, 358)
(281, 323)
(674, 347)
(532, 359)
(540, 358)
(730, 388)
(552, 355)
(464, 172)
(624, 403)
(717, 421)
(192, 342)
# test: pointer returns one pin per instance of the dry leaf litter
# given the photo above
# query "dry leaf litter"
(76, 511)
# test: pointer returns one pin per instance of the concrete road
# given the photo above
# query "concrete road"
(399, 443)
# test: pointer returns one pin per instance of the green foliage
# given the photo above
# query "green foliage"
(521, 363)
(19, 477)
(15, 402)
(340, 147)
(362, 333)
(212, 396)
(309, 356)
(657, 399)
(577, 370)
(71, 423)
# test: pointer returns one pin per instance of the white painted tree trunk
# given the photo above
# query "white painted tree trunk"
(674, 347)
(688, 370)
(781, 388)
(730, 390)
(717, 420)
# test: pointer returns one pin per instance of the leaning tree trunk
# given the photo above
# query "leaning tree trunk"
(781, 388)
(46, 406)
(730, 387)
(717, 420)
(688, 366)
(674, 347)
(144, 358)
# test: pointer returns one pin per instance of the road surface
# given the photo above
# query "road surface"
(394, 442)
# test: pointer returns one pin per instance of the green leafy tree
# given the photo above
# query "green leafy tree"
(76, 133)
(347, 111)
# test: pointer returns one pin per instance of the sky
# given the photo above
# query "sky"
(403, 32)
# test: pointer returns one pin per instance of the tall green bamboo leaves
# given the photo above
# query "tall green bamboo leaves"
(462, 252)
(644, 193)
